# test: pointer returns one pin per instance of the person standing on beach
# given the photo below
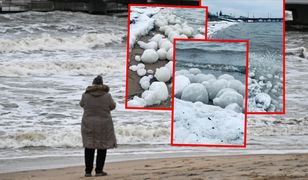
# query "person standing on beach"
(97, 126)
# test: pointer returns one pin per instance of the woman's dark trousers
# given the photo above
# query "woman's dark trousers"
(100, 159)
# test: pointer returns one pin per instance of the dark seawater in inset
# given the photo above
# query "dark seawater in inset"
(215, 58)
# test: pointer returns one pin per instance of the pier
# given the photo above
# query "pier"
(253, 20)
(90, 6)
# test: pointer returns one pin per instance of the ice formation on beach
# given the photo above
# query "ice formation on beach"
(167, 26)
(199, 118)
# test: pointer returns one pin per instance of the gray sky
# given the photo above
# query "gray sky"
(258, 8)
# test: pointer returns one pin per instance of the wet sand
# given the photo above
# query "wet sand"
(271, 167)
(134, 88)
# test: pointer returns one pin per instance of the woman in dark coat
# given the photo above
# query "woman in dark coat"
(97, 127)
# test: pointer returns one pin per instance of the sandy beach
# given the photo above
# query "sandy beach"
(287, 166)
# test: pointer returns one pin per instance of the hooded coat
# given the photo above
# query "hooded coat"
(97, 127)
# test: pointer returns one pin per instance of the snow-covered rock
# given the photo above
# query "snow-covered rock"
(195, 92)
(149, 56)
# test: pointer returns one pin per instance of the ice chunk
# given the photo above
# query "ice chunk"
(234, 107)
(216, 87)
(141, 72)
(199, 36)
(238, 86)
(195, 92)
(157, 37)
(263, 101)
(157, 93)
(180, 83)
(202, 77)
(162, 54)
(170, 54)
(162, 74)
(169, 65)
(166, 45)
(149, 56)
(145, 82)
(136, 102)
(149, 45)
(182, 72)
(137, 58)
(150, 71)
(228, 97)
(226, 77)
(133, 67)
(194, 71)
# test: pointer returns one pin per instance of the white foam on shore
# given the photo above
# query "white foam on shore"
(214, 26)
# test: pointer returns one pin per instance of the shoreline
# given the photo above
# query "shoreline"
(268, 166)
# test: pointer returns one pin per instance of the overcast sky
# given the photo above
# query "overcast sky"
(258, 8)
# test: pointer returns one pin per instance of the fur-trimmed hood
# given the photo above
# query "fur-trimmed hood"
(97, 90)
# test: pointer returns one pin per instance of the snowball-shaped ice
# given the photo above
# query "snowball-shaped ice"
(238, 86)
(166, 44)
(195, 92)
(149, 45)
(137, 58)
(136, 102)
(162, 74)
(133, 67)
(162, 54)
(207, 84)
(145, 82)
(141, 72)
(199, 36)
(202, 77)
(170, 54)
(188, 31)
(180, 83)
(221, 92)
(157, 93)
(226, 77)
(182, 72)
(194, 71)
(150, 71)
(140, 66)
(228, 97)
(157, 37)
(263, 100)
(216, 87)
(169, 65)
(191, 77)
(172, 35)
(149, 56)
(183, 36)
(234, 107)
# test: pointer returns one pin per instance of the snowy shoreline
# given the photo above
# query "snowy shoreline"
(156, 50)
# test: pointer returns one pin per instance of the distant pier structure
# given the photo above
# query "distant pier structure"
(91, 6)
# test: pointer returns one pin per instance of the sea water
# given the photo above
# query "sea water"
(215, 58)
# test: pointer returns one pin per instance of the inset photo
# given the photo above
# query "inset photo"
(210, 93)
(151, 33)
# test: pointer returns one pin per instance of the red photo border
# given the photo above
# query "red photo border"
(283, 64)
(127, 47)
(246, 93)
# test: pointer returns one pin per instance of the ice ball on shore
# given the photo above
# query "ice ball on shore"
(157, 37)
(268, 85)
(137, 58)
(150, 71)
(166, 45)
(133, 68)
(262, 78)
(269, 76)
(170, 54)
(157, 93)
(202, 77)
(228, 97)
(149, 56)
(169, 65)
(162, 74)
(145, 82)
(182, 72)
(149, 45)
(180, 83)
(226, 77)
(194, 71)
(254, 89)
(162, 54)
(199, 36)
(136, 102)
(195, 92)
(141, 72)
(263, 100)
(216, 86)
(234, 107)
(238, 86)
(251, 75)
